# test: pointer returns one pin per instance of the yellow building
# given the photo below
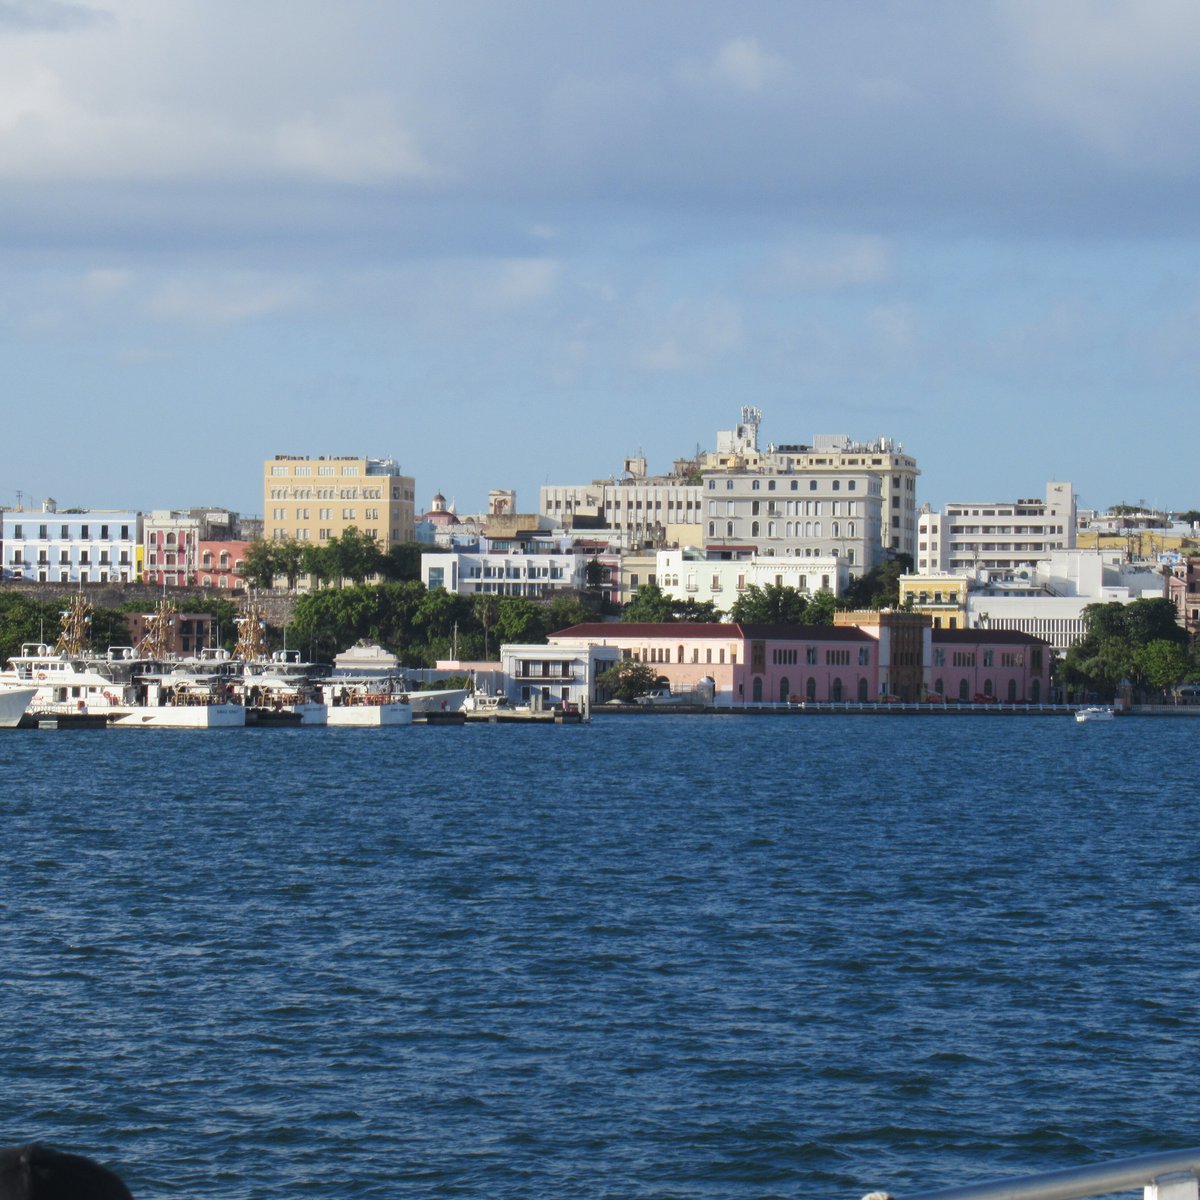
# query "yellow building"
(941, 597)
(316, 499)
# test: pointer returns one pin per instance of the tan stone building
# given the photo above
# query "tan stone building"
(316, 499)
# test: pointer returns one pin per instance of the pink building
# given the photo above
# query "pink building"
(866, 657)
(221, 563)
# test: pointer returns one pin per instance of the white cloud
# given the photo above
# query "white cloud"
(360, 141)
(829, 265)
(516, 282)
(1121, 77)
(695, 336)
(225, 301)
(740, 65)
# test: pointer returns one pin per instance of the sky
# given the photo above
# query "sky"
(512, 242)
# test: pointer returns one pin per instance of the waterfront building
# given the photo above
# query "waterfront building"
(561, 675)
(996, 536)
(80, 546)
(864, 657)
(723, 575)
(318, 499)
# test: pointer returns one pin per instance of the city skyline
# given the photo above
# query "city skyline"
(513, 244)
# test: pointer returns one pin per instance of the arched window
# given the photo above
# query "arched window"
(771, 527)
(784, 690)
(987, 687)
(810, 689)
(836, 691)
(712, 528)
(754, 529)
(679, 654)
(1035, 691)
(756, 691)
(940, 687)
(963, 691)
(1012, 691)
(729, 529)
(862, 691)
(835, 529)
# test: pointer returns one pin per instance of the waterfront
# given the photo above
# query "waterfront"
(687, 956)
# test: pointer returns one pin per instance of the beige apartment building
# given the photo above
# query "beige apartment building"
(316, 499)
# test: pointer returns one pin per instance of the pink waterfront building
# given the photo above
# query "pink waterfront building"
(865, 657)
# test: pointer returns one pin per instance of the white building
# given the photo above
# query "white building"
(691, 574)
(1049, 603)
(810, 514)
(738, 451)
(93, 546)
(555, 674)
(996, 536)
(506, 573)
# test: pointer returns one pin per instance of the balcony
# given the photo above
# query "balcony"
(544, 674)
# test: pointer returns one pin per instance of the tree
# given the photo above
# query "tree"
(879, 587)
(260, 564)
(403, 560)
(1163, 664)
(648, 605)
(354, 555)
(627, 680)
(485, 609)
(773, 604)
(289, 556)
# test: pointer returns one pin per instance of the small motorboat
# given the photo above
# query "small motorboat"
(1094, 713)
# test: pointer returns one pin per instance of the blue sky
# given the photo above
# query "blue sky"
(510, 243)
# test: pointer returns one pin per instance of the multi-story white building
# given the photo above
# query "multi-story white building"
(835, 514)
(690, 574)
(317, 499)
(1001, 537)
(738, 451)
(93, 546)
(506, 573)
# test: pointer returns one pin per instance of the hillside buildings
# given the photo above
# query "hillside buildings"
(837, 497)
(316, 499)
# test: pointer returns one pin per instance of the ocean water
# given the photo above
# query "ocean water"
(656, 956)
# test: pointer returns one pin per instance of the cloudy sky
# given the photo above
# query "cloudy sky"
(510, 242)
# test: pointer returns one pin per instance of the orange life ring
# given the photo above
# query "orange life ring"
(41, 674)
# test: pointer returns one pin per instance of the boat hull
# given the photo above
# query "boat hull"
(369, 716)
(13, 703)
(181, 716)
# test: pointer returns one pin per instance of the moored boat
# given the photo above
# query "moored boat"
(1094, 712)
(14, 701)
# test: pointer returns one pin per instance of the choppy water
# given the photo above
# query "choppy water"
(651, 957)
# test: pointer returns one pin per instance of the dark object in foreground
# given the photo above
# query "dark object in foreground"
(35, 1172)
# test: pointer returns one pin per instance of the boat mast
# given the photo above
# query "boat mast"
(73, 640)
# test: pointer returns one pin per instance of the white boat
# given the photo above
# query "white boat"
(369, 664)
(13, 703)
(1094, 713)
(118, 688)
(368, 702)
(280, 690)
